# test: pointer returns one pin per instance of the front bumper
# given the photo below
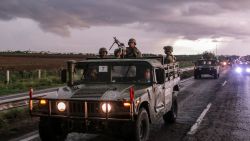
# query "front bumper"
(209, 71)
(82, 110)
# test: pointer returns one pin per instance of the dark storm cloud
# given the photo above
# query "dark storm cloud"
(174, 17)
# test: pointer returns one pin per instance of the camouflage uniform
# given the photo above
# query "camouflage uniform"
(132, 52)
(170, 58)
(117, 53)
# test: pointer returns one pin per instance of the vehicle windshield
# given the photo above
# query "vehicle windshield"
(113, 73)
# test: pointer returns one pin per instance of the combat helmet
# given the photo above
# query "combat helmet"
(168, 48)
(132, 40)
(117, 50)
(103, 49)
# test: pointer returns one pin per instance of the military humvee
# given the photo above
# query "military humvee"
(206, 66)
(123, 95)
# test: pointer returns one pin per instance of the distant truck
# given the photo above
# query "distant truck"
(118, 95)
(207, 66)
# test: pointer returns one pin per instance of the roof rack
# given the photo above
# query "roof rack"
(159, 58)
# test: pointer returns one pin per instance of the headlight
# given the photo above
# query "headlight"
(238, 70)
(224, 63)
(105, 107)
(61, 106)
(248, 70)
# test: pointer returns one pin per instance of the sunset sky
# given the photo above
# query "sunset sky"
(83, 26)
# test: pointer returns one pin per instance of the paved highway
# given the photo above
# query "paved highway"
(209, 110)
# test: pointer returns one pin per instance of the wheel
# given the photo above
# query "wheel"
(195, 77)
(215, 75)
(170, 117)
(142, 126)
(51, 130)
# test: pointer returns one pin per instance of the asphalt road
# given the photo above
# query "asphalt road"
(209, 110)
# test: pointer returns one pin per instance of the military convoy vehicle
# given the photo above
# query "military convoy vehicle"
(122, 95)
(207, 66)
(242, 67)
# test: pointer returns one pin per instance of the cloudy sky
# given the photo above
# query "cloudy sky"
(191, 26)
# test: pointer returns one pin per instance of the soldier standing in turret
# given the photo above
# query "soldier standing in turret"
(170, 58)
(132, 51)
(103, 52)
(118, 53)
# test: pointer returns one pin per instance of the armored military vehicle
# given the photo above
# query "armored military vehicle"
(207, 66)
(123, 95)
(242, 67)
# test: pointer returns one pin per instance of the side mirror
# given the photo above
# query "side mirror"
(160, 76)
(64, 76)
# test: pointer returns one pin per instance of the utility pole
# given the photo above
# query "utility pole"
(216, 49)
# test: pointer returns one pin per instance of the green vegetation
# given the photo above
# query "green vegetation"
(187, 74)
(15, 122)
(184, 64)
(22, 81)
(9, 116)
(190, 58)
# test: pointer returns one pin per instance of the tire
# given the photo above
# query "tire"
(195, 76)
(199, 76)
(170, 117)
(215, 75)
(142, 126)
(51, 130)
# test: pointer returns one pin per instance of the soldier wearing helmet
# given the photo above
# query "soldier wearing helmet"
(103, 52)
(170, 58)
(118, 53)
(132, 51)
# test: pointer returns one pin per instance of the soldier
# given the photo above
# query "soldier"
(103, 52)
(118, 53)
(170, 58)
(147, 76)
(92, 74)
(132, 51)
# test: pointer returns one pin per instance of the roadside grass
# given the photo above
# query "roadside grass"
(15, 122)
(187, 74)
(23, 85)
(184, 64)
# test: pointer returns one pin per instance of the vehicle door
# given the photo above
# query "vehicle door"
(169, 84)
(159, 89)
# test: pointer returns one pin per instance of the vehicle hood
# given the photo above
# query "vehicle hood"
(98, 92)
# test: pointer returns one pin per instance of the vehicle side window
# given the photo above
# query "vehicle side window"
(160, 75)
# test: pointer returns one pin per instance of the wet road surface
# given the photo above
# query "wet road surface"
(219, 107)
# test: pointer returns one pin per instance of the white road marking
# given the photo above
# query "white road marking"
(31, 137)
(199, 120)
(224, 83)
